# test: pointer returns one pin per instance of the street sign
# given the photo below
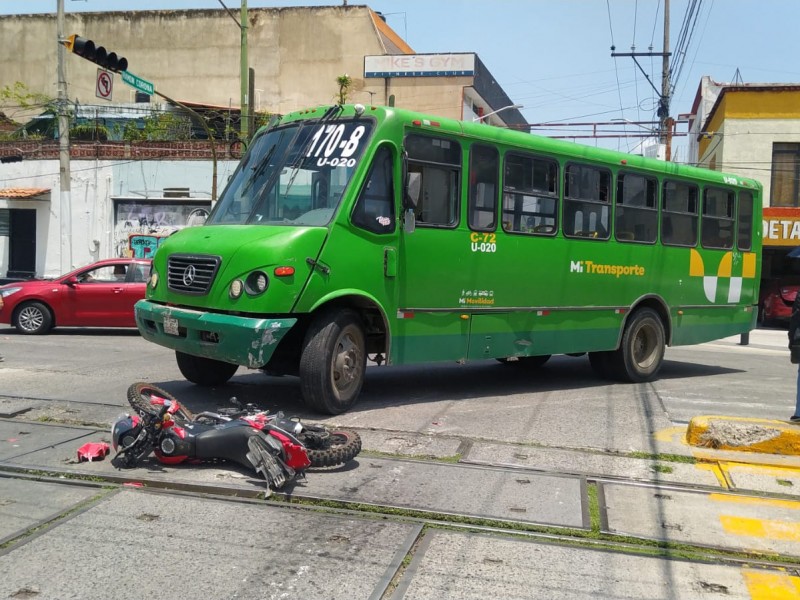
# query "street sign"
(105, 84)
(137, 82)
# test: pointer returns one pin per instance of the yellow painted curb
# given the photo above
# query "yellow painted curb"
(744, 435)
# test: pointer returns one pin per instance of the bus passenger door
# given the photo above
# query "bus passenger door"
(433, 267)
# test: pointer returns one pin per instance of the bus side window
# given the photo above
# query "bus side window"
(374, 209)
(530, 195)
(718, 218)
(679, 214)
(437, 162)
(483, 180)
(745, 237)
(636, 216)
(586, 202)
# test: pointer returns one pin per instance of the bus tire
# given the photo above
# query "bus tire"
(641, 352)
(526, 362)
(333, 362)
(204, 371)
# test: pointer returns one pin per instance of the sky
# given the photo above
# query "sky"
(554, 56)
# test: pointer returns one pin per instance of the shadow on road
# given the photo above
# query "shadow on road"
(412, 384)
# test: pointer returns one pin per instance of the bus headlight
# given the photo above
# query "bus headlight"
(256, 283)
(236, 288)
(153, 281)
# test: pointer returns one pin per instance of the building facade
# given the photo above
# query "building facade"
(123, 204)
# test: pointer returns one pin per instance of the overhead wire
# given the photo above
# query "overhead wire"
(616, 69)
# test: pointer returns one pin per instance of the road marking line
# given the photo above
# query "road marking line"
(762, 528)
(719, 473)
(772, 586)
(774, 502)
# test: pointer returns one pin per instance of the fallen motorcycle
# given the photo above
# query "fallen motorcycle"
(277, 447)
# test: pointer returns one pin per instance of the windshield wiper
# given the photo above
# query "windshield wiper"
(331, 113)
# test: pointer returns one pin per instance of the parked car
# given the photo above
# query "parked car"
(98, 295)
(777, 297)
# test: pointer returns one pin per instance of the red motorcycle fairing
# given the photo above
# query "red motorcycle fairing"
(296, 456)
(169, 460)
(199, 442)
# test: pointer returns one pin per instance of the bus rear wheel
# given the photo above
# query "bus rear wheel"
(204, 371)
(641, 352)
(333, 362)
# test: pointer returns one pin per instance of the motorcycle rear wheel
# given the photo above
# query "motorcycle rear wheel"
(140, 394)
(334, 447)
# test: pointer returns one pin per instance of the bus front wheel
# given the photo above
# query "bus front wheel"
(333, 362)
(641, 352)
(204, 371)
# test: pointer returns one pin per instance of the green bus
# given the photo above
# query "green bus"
(350, 232)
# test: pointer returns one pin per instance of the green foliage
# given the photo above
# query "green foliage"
(18, 98)
(261, 119)
(345, 83)
(159, 127)
(89, 132)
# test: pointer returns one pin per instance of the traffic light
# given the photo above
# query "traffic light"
(96, 54)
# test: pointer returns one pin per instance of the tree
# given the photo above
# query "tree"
(17, 98)
(345, 83)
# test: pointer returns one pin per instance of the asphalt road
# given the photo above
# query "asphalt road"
(476, 480)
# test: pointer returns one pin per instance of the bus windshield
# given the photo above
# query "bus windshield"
(293, 175)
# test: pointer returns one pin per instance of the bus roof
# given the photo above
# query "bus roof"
(533, 142)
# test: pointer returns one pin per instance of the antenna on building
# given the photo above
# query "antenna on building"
(737, 77)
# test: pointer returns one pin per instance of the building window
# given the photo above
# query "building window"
(785, 173)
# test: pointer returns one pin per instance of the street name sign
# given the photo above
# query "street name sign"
(137, 82)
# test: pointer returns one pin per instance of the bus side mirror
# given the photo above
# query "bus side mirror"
(409, 221)
(413, 185)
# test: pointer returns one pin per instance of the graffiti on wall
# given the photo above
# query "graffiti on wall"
(140, 227)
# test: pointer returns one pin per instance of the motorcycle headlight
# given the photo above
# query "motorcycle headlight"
(8, 291)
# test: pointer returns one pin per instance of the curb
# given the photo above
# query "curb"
(744, 435)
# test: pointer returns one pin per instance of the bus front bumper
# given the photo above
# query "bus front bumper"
(244, 341)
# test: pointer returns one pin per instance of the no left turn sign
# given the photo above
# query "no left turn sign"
(105, 84)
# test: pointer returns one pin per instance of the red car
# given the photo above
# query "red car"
(777, 297)
(99, 295)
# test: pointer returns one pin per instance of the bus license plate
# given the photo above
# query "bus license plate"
(171, 326)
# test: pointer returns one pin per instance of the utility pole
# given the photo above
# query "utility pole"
(664, 121)
(663, 105)
(244, 75)
(65, 176)
(244, 72)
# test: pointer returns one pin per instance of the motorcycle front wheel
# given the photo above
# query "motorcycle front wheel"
(141, 395)
(330, 447)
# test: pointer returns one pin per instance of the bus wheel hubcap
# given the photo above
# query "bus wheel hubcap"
(346, 363)
(645, 346)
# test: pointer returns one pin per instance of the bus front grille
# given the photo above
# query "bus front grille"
(191, 273)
